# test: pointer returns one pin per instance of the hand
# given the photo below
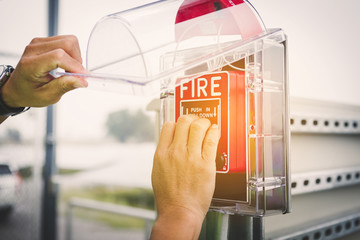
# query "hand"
(31, 85)
(183, 177)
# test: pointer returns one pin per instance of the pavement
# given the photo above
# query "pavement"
(88, 230)
(24, 221)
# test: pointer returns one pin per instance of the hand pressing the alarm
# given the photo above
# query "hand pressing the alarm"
(183, 177)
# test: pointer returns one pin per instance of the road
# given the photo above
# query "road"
(89, 230)
(24, 221)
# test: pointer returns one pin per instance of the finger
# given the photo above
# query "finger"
(210, 144)
(197, 133)
(55, 59)
(68, 43)
(166, 136)
(48, 39)
(182, 129)
(52, 92)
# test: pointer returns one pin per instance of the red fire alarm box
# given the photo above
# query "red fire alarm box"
(217, 60)
(220, 97)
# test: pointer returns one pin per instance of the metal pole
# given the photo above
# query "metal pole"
(240, 227)
(69, 222)
(220, 226)
(53, 17)
(215, 226)
(49, 190)
(148, 226)
(49, 216)
(258, 228)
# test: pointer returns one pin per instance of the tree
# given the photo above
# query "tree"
(126, 126)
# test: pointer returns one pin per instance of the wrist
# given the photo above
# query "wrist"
(6, 93)
(7, 96)
(9, 105)
(177, 223)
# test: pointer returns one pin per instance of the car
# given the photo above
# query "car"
(10, 182)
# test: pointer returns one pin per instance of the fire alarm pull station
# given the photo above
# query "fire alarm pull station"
(214, 59)
(220, 97)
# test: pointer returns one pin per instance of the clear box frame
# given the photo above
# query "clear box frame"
(221, 64)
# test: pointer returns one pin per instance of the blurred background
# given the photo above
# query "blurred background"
(105, 141)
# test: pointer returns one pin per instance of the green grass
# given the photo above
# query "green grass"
(134, 197)
(111, 220)
(68, 171)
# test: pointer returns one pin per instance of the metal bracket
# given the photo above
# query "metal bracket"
(336, 228)
(323, 180)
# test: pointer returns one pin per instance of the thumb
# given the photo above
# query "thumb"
(53, 90)
(62, 85)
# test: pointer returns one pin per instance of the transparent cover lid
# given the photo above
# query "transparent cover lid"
(196, 47)
(124, 48)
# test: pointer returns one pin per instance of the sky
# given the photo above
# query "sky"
(323, 52)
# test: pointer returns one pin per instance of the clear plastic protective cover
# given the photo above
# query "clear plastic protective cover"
(215, 59)
(125, 47)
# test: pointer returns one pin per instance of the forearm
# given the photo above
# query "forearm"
(177, 226)
(183, 177)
